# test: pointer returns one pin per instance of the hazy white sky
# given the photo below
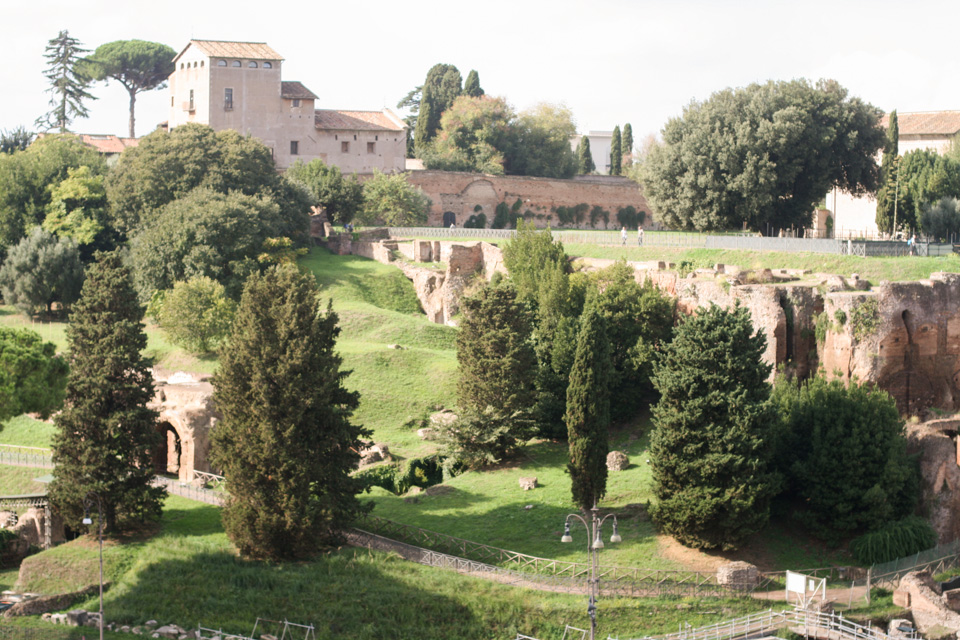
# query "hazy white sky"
(610, 61)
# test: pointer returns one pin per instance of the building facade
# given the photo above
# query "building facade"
(239, 85)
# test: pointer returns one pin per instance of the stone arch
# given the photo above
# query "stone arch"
(479, 193)
(167, 457)
(449, 218)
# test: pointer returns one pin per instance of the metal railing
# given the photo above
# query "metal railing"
(935, 560)
(186, 490)
(18, 456)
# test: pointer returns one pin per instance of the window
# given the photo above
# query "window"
(296, 102)
(194, 65)
(252, 64)
(171, 101)
(236, 63)
(191, 100)
(181, 65)
(354, 136)
(268, 65)
(228, 98)
(344, 147)
(221, 63)
(371, 147)
(201, 64)
(294, 147)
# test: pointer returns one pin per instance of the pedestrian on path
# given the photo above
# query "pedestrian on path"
(639, 236)
(623, 235)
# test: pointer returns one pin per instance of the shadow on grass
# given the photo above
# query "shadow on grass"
(351, 593)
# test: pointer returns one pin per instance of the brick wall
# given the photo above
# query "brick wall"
(466, 194)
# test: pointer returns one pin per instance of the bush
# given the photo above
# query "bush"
(481, 439)
(941, 219)
(41, 270)
(629, 217)
(197, 314)
(501, 218)
(895, 540)
(389, 199)
(398, 478)
(477, 221)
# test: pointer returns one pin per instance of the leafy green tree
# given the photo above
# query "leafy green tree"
(166, 166)
(542, 144)
(40, 271)
(471, 86)
(16, 139)
(585, 165)
(888, 175)
(616, 152)
(204, 233)
(708, 451)
(627, 144)
(411, 102)
(844, 452)
(495, 359)
(340, 198)
(440, 89)
(32, 375)
(68, 84)
(78, 210)
(389, 199)
(639, 321)
(529, 256)
(28, 178)
(286, 443)
(475, 135)
(138, 65)
(764, 154)
(924, 178)
(588, 412)
(197, 314)
(106, 435)
(941, 220)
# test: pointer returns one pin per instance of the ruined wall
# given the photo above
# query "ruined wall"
(467, 194)
(186, 405)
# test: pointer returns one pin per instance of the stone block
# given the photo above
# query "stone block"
(617, 461)
(901, 598)
(738, 575)
(952, 599)
(528, 483)
(76, 617)
(426, 433)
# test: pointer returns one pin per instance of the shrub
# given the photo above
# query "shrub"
(865, 318)
(501, 218)
(479, 439)
(398, 478)
(197, 314)
(629, 217)
(894, 540)
(41, 270)
(477, 221)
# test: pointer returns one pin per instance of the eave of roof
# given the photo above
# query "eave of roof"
(338, 120)
(233, 49)
(918, 123)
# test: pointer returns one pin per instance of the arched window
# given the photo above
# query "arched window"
(235, 63)
(252, 64)
(201, 63)
(194, 65)
(181, 65)
(268, 65)
(221, 63)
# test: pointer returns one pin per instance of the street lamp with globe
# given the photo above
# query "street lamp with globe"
(594, 544)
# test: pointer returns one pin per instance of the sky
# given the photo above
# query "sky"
(609, 61)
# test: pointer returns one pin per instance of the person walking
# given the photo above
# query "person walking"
(623, 235)
(639, 236)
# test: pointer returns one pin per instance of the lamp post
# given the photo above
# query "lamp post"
(88, 501)
(594, 544)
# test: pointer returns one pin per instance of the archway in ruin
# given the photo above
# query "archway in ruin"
(167, 458)
(449, 218)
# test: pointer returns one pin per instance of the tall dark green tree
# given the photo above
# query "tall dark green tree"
(471, 87)
(441, 87)
(616, 152)
(763, 154)
(585, 165)
(106, 435)
(16, 139)
(709, 452)
(68, 83)
(588, 412)
(844, 453)
(285, 443)
(136, 64)
(888, 175)
(627, 146)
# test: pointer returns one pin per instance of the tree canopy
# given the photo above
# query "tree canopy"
(389, 199)
(585, 165)
(888, 175)
(471, 86)
(41, 270)
(138, 65)
(440, 88)
(286, 443)
(340, 198)
(68, 83)
(762, 155)
(616, 152)
(708, 452)
(32, 376)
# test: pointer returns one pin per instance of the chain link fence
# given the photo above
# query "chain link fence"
(26, 456)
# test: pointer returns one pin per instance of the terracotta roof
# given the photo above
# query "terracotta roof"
(292, 89)
(355, 120)
(942, 123)
(108, 143)
(226, 49)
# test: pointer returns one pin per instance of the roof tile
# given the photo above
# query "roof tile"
(108, 143)
(355, 120)
(291, 89)
(227, 49)
(944, 123)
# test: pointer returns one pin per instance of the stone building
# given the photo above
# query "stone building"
(238, 85)
(933, 130)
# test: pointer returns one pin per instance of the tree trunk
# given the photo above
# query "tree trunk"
(133, 102)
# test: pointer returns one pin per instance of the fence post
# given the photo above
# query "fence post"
(869, 572)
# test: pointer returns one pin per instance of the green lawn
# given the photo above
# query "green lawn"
(24, 431)
(20, 480)
(188, 573)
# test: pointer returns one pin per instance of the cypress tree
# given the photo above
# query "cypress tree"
(616, 152)
(888, 176)
(471, 87)
(285, 443)
(627, 144)
(440, 89)
(585, 165)
(106, 433)
(588, 411)
(709, 451)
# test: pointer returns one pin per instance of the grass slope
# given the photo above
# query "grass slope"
(189, 573)
(24, 431)
(20, 480)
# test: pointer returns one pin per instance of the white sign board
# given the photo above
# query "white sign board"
(796, 582)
